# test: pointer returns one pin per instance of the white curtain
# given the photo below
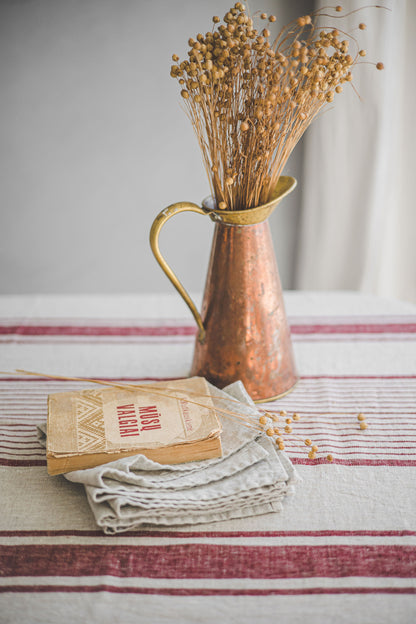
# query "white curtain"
(358, 217)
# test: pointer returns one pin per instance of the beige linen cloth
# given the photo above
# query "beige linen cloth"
(252, 477)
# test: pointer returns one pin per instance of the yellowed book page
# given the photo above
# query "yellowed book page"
(111, 420)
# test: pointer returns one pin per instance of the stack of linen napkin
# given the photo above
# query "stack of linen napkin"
(252, 477)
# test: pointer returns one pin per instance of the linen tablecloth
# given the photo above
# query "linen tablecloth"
(344, 547)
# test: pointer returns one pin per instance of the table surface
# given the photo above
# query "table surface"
(344, 546)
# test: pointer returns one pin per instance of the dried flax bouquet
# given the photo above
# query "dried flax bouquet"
(251, 99)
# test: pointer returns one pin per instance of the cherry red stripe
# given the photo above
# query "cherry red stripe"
(197, 534)
(94, 340)
(168, 591)
(28, 463)
(334, 427)
(58, 382)
(190, 330)
(19, 455)
(19, 424)
(74, 330)
(335, 436)
(23, 433)
(295, 460)
(357, 377)
(353, 462)
(355, 449)
(217, 561)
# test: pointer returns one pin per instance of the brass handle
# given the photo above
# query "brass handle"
(157, 225)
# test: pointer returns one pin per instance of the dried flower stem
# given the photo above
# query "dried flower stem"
(250, 100)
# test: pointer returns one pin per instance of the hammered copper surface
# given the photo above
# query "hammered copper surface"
(243, 332)
(247, 337)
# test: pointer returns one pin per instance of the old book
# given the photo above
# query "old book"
(93, 427)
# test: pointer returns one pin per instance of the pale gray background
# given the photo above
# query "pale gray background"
(94, 143)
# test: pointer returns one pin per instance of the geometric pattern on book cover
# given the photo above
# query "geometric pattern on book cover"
(90, 422)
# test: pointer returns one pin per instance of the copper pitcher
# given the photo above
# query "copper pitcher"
(243, 332)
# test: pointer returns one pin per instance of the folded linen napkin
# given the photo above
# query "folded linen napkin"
(252, 477)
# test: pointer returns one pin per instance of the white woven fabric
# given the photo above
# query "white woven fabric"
(342, 549)
(249, 479)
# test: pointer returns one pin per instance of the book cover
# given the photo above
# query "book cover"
(92, 427)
